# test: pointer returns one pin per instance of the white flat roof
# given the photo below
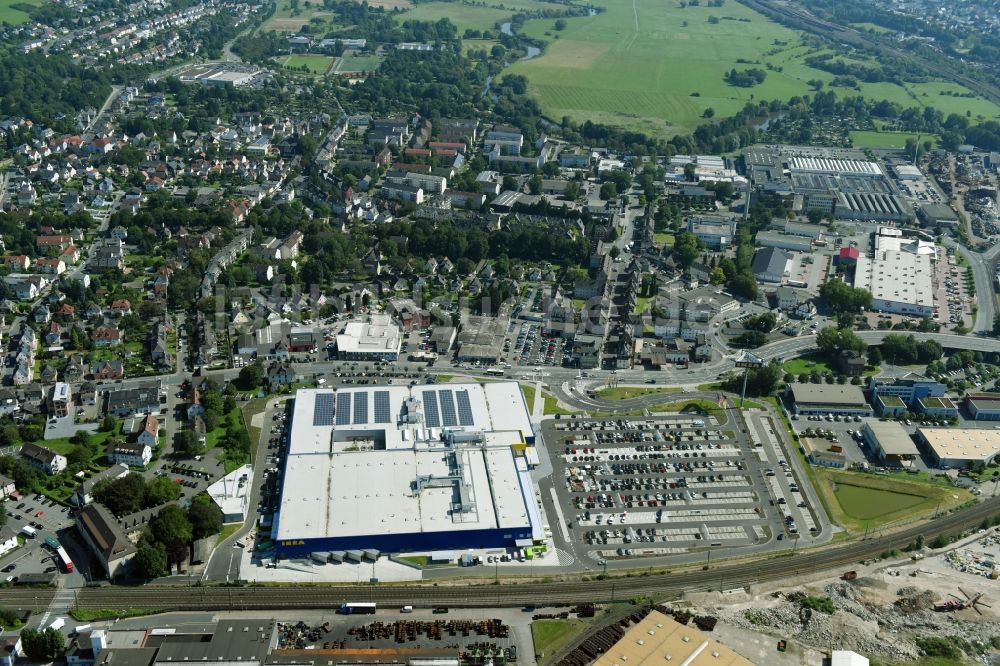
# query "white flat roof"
(891, 438)
(833, 165)
(355, 455)
(379, 335)
(897, 277)
(968, 444)
(232, 496)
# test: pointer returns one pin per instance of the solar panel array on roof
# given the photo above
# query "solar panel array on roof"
(464, 408)
(431, 416)
(343, 408)
(323, 410)
(361, 407)
(382, 414)
(448, 417)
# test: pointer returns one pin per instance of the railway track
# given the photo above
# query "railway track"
(806, 21)
(487, 594)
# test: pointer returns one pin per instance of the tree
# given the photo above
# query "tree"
(252, 375)
(187, 444)
(151, 561)
(535, 184)
(560, 24)
(161, 490)
(832, 341)
(172, 528)
(108, 424)
(43, 646)
(750, 339)
(122, 496)
(840, 297)
(686, 249)
(205, 517)
(608, 191)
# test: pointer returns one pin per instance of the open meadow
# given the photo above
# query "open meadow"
(287, 18)
(315, 64)
(657, 66)
(14, 16)
(479, 16)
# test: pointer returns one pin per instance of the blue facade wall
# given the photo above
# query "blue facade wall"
(397, 543)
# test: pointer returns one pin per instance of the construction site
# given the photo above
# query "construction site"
(894, 610)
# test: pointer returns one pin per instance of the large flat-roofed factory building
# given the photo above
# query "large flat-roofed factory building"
(407, 468)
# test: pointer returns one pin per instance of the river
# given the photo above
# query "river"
(532, 51)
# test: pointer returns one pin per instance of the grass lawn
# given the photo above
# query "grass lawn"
(807, 364)
(552, 406)
(529, 396)
(862, 139)
(549, 636)
(481, 16)
(354, 63)
(14, 16)
(316, 64)
(283, 21)
(863, 501)
(664, 238)
(93, 615)
(227, 531)
(478, 45)
(656, 66)
(628, 392)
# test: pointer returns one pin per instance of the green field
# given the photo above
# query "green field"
(629, 392)
(862, 139)
(860, 501)
(549, 636)
(286, 20)
(14, 16)
(867, 503)
(807, 364)
(480, 16)
(657, 66)
(352, 63)
(316, 64)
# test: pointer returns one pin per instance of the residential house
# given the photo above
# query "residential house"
(280, 374)
(143, 399)
(60, 400)
(7, 488)
(130, 454)
(75, 369)
(70, 255)
(83, 495)
(53, 334)
(104, 370)
(43, 459)
(158, 351)
(150, 433)
(8, 540)
(121, 307)
(106, 538)
(17, 262)
(107, 336)
(50, 266)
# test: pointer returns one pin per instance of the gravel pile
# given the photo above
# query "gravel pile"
(860, 624)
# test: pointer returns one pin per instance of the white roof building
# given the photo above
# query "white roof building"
(406, 468)
(376, 339)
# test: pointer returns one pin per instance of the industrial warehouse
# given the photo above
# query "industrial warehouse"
(397, 468)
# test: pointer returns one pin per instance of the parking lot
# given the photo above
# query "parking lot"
(665, 485)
